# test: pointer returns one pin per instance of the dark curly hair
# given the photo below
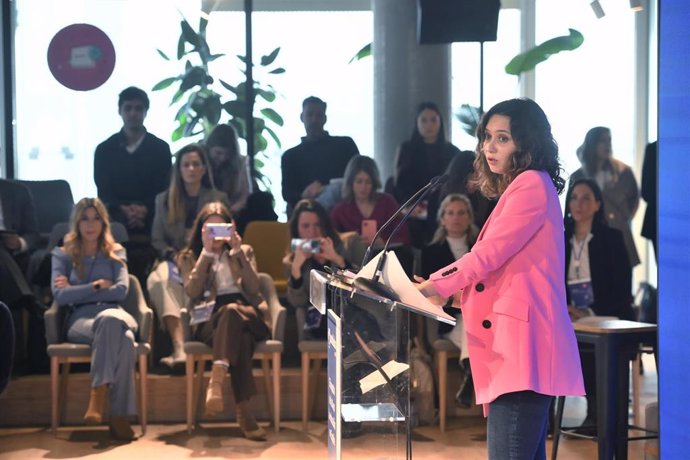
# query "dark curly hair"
(536, 147)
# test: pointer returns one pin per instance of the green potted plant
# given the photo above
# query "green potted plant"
(205, 101)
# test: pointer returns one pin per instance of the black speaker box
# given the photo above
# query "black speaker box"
(447, 21)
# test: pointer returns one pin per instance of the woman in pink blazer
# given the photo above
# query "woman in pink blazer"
(520, 339)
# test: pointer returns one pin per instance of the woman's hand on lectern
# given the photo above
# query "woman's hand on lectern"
(426, 287)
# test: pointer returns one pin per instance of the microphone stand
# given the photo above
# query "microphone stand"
(373, 284)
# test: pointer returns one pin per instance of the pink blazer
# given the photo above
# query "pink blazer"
(513, 296)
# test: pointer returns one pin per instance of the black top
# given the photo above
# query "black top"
(127, 178)
(648, 191)
(320, 159)
(417, 163)
(435, 257)
(610, 270)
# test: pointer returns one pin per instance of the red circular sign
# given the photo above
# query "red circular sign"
(81, 57)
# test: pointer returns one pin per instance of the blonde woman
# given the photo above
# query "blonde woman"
(90, 280)
(454, 237)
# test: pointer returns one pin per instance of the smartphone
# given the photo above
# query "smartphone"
(368, 229)
(219, 231)
(313, 246)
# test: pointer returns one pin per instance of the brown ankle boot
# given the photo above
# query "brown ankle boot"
(214, 392)
(94, 413)
(248, 425)
(120, 428)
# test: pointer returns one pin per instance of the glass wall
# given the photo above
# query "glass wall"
(498, 85)
(592, 85)
(58, 129)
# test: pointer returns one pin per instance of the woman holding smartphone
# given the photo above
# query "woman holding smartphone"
(520, 339)
(221, 271)
(364, 209)
(310, 221)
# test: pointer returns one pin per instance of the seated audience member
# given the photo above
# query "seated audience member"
(130, 168)
(230, 169)
(454, 237)
(598, 272)
(222, 272)
(18, 237)
(191, 187)
(89, 281)
(616, 181)
(426, 155)
(6, 346)
(364, 209)
(310, 222)
(308, 167)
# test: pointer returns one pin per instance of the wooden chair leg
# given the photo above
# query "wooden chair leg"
(314, 384)
(266, 367)
(196, 384)
(276, 391)
(189, 384)
(54, 384)
(442, 387)
(143, 386)
(64, 382)
(305, 390)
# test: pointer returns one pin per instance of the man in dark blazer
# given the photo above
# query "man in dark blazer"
(18, 237)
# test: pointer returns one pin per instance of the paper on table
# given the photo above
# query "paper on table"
(394, 277)
(375, 379)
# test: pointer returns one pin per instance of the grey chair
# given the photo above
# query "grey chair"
(268, 351)
(64, 353)
(52, 201)
(443, 350)
(315, 351)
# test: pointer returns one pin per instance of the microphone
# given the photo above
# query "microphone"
(373, 285)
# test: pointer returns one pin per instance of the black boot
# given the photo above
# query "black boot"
(463, 397)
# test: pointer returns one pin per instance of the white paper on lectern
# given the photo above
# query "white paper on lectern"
(375, 379)
(395, 278)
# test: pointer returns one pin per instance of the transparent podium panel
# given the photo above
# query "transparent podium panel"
(368, 372)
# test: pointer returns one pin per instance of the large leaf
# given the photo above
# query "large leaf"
(189, 34)
(180, 47)
(234, 108)
(164, 83)
(196, 76)
(228, 86)
(469, 117)
(361, 54)
(269, 58)
(274, 136)
(528, 60)
(268, 96)
(273, 116)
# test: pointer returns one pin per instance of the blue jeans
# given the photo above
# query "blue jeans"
(517, 426)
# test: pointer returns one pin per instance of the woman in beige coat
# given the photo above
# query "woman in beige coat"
(222, 272)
